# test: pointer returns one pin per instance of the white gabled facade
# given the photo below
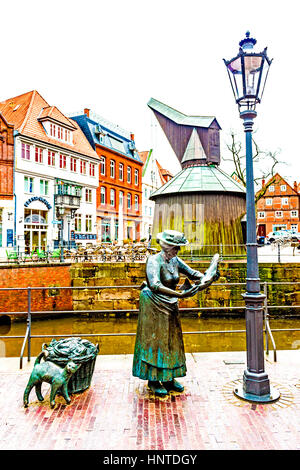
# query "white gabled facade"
(56, 175)
(152, 179)
(37, 185)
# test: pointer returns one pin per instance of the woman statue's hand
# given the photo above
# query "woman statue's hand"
(188, 292)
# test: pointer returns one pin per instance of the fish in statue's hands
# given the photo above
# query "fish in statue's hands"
(210, 275)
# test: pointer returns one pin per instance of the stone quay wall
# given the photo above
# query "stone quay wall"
(216, 296)
(110, 302)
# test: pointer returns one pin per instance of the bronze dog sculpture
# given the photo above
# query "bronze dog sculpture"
(49, 372)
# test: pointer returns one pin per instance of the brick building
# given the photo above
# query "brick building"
(6, 182)
(278, 209)
(119, 195)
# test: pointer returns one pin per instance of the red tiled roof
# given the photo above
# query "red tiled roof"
(24, 111)
(163, 173)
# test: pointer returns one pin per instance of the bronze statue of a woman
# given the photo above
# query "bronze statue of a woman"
(159, 351)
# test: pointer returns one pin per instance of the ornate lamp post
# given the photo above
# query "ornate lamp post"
(248, 72)
(60, 213)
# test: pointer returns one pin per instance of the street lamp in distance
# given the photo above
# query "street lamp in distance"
(248, 72)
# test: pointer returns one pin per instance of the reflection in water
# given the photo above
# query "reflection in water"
(125, 344)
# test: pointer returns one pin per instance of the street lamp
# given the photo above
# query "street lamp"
(248, 72)
(60, 213)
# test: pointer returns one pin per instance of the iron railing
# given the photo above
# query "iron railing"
(192, 252)
(28, 312)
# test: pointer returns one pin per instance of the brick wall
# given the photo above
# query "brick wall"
(35, 276)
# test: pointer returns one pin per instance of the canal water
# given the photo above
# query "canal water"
(224, 334)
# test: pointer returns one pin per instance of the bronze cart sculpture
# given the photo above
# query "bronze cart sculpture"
(159, 354)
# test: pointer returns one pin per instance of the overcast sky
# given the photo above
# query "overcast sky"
(112, 56)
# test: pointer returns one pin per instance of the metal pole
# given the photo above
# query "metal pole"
(61, 241)
(256, 385)
(29, 323)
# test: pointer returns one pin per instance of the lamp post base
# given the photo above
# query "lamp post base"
(274, 395)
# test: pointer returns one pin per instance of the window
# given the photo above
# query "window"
(136, 202)
(28, 184)
(73, 164)
(83, 167)
(112, 168)
(294, 213)
(272, 188)
(25, 152)
(136, 177)
(63, 161)
(51, 158)
(283, 187)
(112, 197)
(103, 195)
(88, 195)
(268, 201)
(261, 215)
(278, 213)
(129, 174)
(294, 227)
(129, 201)
(77, 222)
(88, 223)
(121, 198)
(121, 171)
(44, 187)
(38, 154)
(52, 129)
(284, 201)
(146, 193)
(92, 169)
(102, 165)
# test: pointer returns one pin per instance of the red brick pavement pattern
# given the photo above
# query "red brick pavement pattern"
(119, 412)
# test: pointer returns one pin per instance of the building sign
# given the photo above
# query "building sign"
(37, 198)
(9, 237)
(85, 236)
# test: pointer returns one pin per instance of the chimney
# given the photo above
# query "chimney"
(132, 136)
(295, 186)
(263, 181)
(87, 112)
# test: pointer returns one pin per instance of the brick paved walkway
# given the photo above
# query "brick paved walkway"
(119, 412)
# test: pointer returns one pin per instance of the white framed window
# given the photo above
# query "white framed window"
(121, 198)
(88, 223)
(278, 214)
(102, 165)
(284, 201)
(136, 177)
(103, 195)
(112, 168)
(294, 227)
(38, 155)
(261, 215)
(294, 213)
(112, 197)
(62, 161)
(129, 201)
(28, 184)
(44, 187)
(129, 174)
(73, 164)
(136, 202)
(272, 188)
(268, 201)
(121, 171)
(83, 167)
(92, 169)
(283, 187)
(25, 151)
(88, 195)
(51, 158)
(77, 222)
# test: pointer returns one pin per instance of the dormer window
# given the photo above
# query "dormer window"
(59, 132)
